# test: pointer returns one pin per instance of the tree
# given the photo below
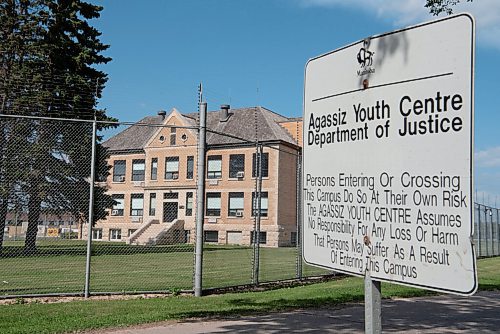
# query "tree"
(437, 7)
(48, 70)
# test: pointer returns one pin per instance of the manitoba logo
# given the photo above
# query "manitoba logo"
(365, 60)
(365, 57)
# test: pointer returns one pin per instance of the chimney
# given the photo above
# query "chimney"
(162, 113)
(224, 112)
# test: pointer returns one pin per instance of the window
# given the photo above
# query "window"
(213, 204)
(190, 167)
(170, 195)
(154, 168)
(131, 231)
(214, 170)
(262, 237)
(119, 171)
(236, 204)
(171, 168)
(115, 234)
(236, 164)
(293, 238)
(119, 205)
(136, 204)
(265, 165)
(173, 136)
(152, 204)
(138, 167)
(263, 204)
(189, 204)
(211, 236)
(97, 233)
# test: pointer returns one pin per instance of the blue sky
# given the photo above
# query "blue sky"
(253, 52)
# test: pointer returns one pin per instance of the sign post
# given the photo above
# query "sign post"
(388, 160)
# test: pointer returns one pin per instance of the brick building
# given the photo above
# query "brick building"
(153, 179)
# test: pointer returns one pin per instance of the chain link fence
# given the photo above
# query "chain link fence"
(45, 165)
(144, 207)
(487, 231)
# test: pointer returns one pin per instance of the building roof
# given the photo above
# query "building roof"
(136, 136)
(249, 124)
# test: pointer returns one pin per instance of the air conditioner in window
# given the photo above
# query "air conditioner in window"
(114, 212)
(136, 219)
(122, 178)
(212, 220)
(239, 213)
(240, 175)
(138, 184)
(213, 182)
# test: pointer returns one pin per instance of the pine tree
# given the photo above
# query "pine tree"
(49, 71)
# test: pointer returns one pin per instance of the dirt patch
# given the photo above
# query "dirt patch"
(67, 299)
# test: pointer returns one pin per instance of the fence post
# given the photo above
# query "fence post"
(486, 231)
(91, 209)
(479, 230)
(200, 202)
(492, 232)
(257, 205)
(299, 216)
(498, 233)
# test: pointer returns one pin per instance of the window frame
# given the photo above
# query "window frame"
(190, 167)
(171, 175)
(138, 174)
(213, 212)
(173, 136)
(115, 234)
(121, 211)
(205, 233)
(262, 237)
(189, 204)
(293, 238)
(152, 204)
(171, 195)
(232, 212)
(254, 200)
(154, 169)
(97, 234)
(234, 168)
(265, 164)
(136, 212)
(214, 174)
(118, 177)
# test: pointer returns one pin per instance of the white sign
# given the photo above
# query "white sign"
(388, 157)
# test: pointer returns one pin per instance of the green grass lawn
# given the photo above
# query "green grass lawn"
(59, 267)
(83, 315)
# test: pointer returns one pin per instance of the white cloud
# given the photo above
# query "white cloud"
(488, 158)
(404, 13)
(487, 178)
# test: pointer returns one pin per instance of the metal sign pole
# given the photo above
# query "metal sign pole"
(373, 306)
